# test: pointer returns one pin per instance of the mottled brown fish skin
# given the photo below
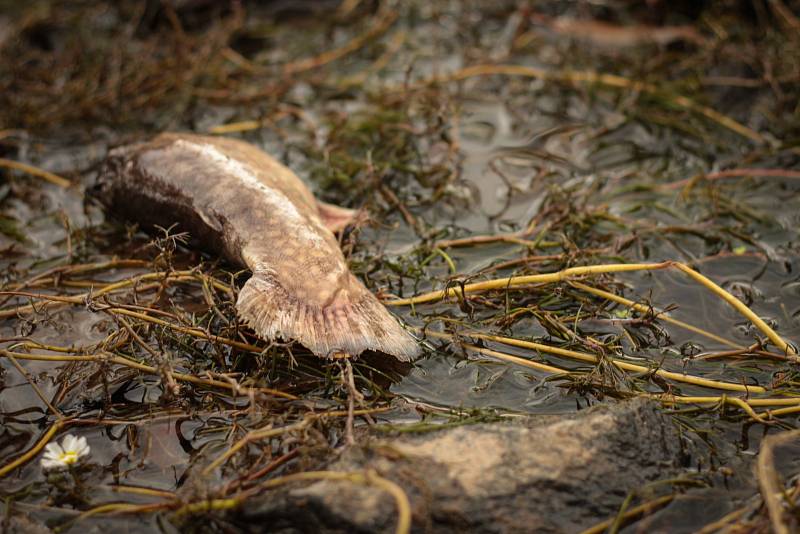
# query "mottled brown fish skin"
(239, 202)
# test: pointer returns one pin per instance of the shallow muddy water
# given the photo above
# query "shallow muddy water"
(600, 171)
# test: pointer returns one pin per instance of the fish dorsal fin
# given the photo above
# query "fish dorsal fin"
(336, 218)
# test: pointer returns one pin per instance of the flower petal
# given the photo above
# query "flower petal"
(53, 450)
(81, 446)
(69, 442)
(51, 464)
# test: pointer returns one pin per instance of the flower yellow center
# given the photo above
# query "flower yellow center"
(69, 457)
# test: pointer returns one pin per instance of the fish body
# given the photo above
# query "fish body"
(239, 202)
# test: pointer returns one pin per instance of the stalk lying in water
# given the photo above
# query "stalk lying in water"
(241, 203)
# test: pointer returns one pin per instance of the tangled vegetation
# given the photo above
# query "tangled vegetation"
(575, 213)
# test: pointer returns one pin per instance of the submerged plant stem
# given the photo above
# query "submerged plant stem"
(369, 478)
(646, 310)
(609, 80)
(383, 24)
(119, 360)
(36, 449)
(35, 171)
(626, 366)
(564, 275)
(635, 512)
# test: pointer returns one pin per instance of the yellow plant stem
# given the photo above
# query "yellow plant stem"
(235, 127)
(209, 505)
(769, 414)
(446, 257)
(609, 80)
(255, 435)
(60, 423)
(394, 45)
(139, 490)
(512, 238)
(35, 171)
(792, 403)
(626, 366)
(722, 524)
(746, 406)
(39, 392)
(641, 308)
(269, 432)
(376, 29)
(195, 332)
(49, 276)
(738, 305)
(119, 360)
(120, 508)
(636, 511)
(515, 359)
(564, 275)
(772, 488)
(177, 276)
(514, 281)
(369, 478)
(36, 449)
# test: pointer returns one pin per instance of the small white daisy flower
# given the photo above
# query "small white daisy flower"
(71, 450)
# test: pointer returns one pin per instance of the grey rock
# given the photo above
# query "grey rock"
(552, 474)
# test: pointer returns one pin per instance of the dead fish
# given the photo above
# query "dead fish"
(239, 202)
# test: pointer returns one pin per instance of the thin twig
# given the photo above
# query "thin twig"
(119, 360)
(609, 80)
(564, 276)
(35, 171)
(768, 480)
(337, 53)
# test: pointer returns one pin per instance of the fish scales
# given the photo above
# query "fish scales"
(237, 201)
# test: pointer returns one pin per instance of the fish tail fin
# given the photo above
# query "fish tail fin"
(354, 321)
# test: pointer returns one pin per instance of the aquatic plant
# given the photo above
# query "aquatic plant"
(562, 224)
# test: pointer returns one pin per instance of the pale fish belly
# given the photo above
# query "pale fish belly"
(237, 201)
